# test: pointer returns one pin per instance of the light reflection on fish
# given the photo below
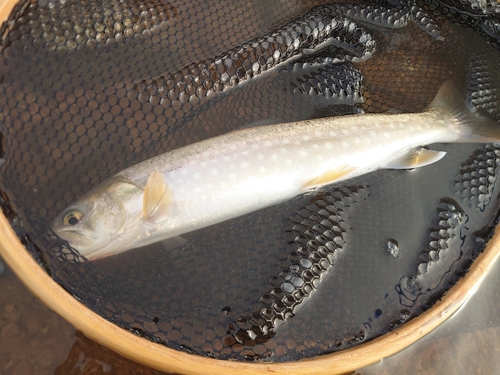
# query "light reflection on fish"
(231, 175)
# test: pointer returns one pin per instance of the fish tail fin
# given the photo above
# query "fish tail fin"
(470, 126)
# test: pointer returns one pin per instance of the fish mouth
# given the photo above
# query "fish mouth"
(85, 244)
(77, 239)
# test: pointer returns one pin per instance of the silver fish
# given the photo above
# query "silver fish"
(227, 176)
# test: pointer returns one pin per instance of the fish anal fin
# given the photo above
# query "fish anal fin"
(332, 175)
(157, 198)
(416, 159)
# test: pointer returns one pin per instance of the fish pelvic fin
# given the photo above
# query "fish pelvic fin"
(470, 126)
(156, 199)
(333, 174)
(416, 158)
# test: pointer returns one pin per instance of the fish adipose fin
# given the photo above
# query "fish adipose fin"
(157, 198)
(333, 174)
(416, 158)
(471, 127)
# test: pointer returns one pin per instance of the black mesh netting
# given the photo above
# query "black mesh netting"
(89, 88)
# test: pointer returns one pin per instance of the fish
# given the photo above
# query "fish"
(230, 175)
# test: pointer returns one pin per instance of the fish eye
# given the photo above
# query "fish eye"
(72, 217)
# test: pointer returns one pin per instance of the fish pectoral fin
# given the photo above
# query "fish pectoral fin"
(333, 174)
(156, 199)
(416, 159)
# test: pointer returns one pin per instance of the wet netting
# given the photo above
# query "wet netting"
(90, 87)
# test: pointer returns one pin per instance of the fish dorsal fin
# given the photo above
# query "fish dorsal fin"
(416, 158)
(333, 174)
(449, 99)
(157, 198)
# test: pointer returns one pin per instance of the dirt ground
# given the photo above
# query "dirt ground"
(34, 340)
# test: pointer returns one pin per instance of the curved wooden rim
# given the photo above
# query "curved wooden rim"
(165, 359)
(5, 8)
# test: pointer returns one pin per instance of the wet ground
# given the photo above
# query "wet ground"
(34, 340)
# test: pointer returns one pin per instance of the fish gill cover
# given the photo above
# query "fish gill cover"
(89, 88)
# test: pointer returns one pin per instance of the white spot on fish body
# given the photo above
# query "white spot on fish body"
(332, 134)
(315, 146)
(306, 138)
(386, 135)
(283, 150)
(196, 175)
(260, 157)
(274, 157)
(345, 144)
(244, 164)
(245, 153)
(225, 158)
(262, 170)
(345, 131)
(328, 145)
(215, 172)
(289, 162)
(357, 140)
(184, 172)
(302, 153)
(232, 176)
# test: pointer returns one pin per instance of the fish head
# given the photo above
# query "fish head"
(101, 222)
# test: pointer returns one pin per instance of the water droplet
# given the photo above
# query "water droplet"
(393, 248)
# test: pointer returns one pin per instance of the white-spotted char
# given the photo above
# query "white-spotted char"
(227, 176)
